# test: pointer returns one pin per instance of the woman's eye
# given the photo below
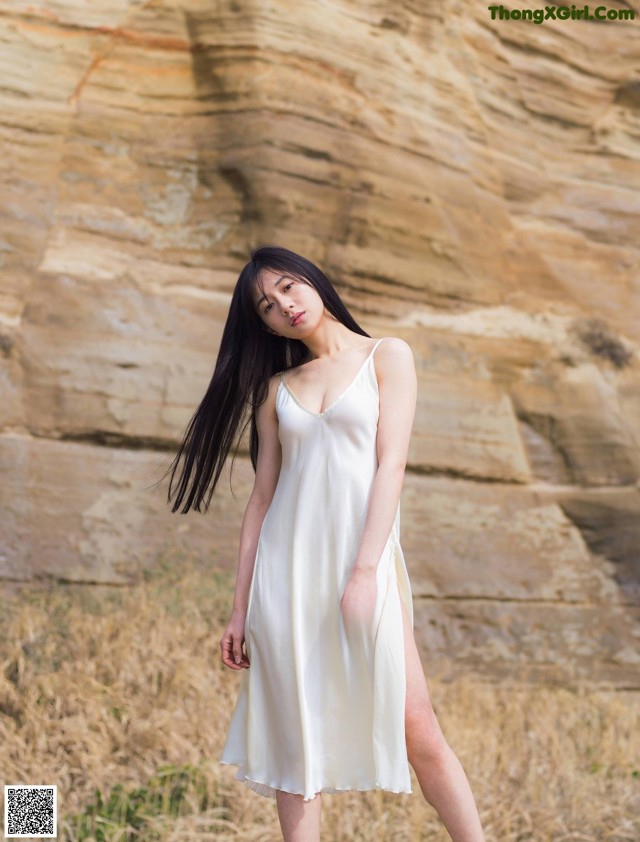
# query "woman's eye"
(290, 284)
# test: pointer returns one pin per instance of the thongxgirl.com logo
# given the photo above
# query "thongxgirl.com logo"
(560, 13)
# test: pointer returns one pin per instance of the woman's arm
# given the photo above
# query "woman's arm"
(249, 534)
(267, 473)
(397, 384)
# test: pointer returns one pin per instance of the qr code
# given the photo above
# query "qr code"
(30, 810)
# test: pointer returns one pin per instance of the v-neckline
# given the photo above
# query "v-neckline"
(340, 396)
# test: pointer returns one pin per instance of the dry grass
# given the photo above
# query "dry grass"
(118, 696)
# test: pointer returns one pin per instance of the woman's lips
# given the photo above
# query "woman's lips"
(297, 319)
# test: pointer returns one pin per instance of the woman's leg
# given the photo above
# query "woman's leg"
(440, 774)
(299, 819)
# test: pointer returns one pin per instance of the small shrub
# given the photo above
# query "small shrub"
(600, 340)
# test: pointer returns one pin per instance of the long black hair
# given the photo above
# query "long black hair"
(248, 356)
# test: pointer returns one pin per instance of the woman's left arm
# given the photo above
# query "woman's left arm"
(398, 388)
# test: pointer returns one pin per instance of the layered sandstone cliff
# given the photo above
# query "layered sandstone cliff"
(469, 185)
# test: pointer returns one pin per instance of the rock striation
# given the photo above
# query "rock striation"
(469, 184)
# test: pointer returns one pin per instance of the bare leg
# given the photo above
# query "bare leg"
(440, 774)
(299, 819)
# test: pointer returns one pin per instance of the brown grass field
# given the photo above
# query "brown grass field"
(118, 696)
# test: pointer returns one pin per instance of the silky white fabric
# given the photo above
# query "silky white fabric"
(320, 709)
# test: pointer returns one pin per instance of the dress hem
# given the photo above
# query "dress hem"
(269, 789)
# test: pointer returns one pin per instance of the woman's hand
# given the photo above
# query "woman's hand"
(359, 598)
(231, 644)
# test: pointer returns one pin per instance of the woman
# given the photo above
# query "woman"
(334, 697)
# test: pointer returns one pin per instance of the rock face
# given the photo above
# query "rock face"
(469, 185)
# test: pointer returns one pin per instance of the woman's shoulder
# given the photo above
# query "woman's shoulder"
(392, 355)
(394, 346)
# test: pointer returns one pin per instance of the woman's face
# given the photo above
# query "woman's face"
(283, 298)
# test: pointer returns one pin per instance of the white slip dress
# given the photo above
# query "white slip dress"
(318, 709)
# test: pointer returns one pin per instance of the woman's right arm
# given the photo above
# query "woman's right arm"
(267, 473)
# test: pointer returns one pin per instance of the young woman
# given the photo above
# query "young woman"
(334, 696)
